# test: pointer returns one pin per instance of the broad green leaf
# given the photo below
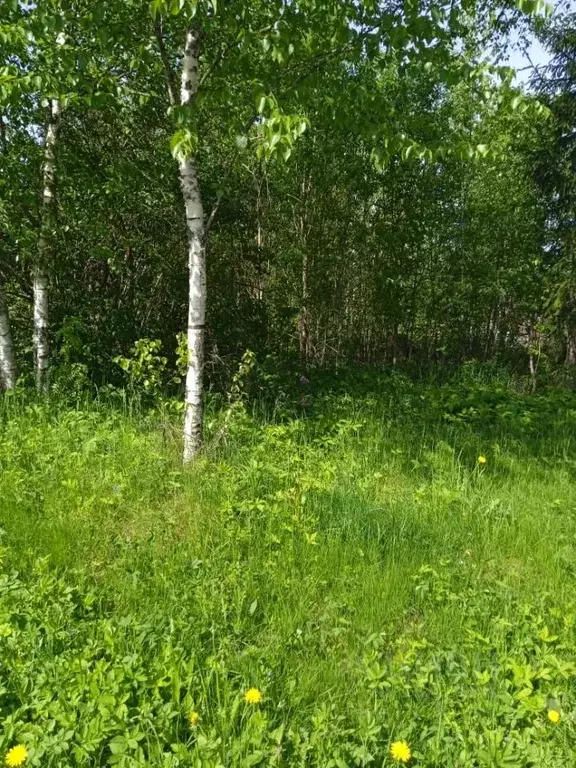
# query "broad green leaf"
(183, 144)
(118, 745)
(176, 6)
(157, 7)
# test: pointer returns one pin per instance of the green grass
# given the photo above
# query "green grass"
(354, 562)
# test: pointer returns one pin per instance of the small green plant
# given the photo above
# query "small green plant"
(145, 368)
(182, 353)
(238, 391)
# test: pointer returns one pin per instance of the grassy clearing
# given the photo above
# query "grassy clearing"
(354, 563)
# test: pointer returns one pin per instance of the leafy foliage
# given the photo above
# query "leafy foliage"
(370, 194)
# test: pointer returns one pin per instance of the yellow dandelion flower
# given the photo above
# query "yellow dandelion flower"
(193, 718)
(482, 459)
(553, 716)
(253, 696)
(400, 751)
(16, 756)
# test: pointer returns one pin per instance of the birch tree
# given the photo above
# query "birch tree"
(55, 60)
(13, 40)
(42, 266)
(8, 372)
(196, 260)
(261, 56)
(184, 146)
(35, 74)
(194, 211)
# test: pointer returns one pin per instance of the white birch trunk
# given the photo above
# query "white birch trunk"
(196, 265)
(40, 278)
(8, 371)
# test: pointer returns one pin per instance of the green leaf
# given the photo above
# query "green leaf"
(118, 745)
(409, 151)
(183, 144)
(157, 7)
(528, 6)
(263, 100)
(302, 126)
(254, 759)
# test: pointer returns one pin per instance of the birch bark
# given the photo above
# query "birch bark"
(8, 371)
(196, 264)
(41, 271)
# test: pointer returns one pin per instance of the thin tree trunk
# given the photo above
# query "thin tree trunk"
(570, 328)
(304, 325)
(8, 372)
(41, 271)
(534, 356)
(196, 264)
(533, 363)
(570, 347)
(490, 331)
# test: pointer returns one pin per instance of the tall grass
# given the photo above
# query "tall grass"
(353, 561)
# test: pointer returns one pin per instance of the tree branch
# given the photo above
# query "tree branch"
(3, 135)
(168, 72)
(212, 216)
(535, 68)
(222, 55)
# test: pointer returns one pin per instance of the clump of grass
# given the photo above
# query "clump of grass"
(358, 567)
